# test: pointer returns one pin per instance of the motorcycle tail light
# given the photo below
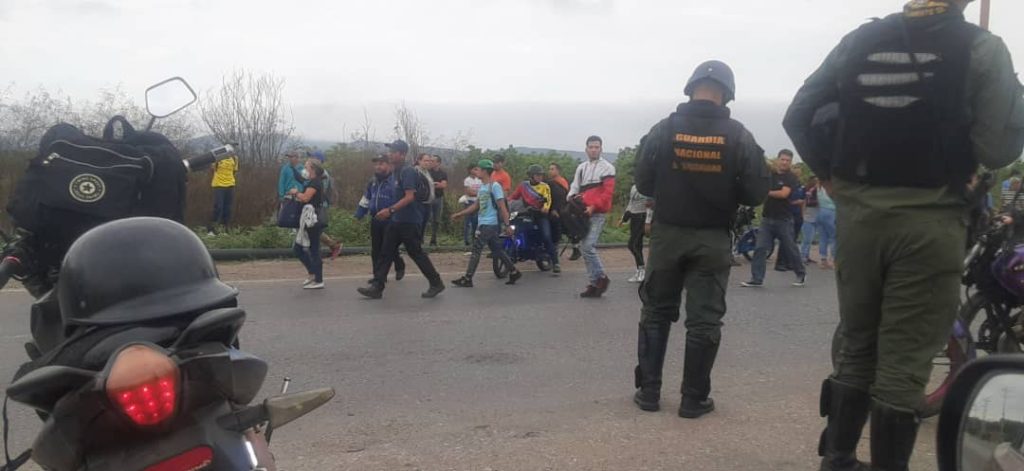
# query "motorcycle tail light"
(193, 460)
(143, 384)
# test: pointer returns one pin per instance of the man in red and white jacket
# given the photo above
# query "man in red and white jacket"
(594, 182)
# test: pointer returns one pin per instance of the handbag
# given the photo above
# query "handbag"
(289, 213)
(322, 215)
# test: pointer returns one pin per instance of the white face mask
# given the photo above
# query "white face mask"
(305, 174)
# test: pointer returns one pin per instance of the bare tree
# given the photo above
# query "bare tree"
(366, 134)
(409, 128)
(249, 109)
(23, 122)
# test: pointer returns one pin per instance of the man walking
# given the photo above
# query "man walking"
(559, 192)
(379, 195)
(471, 185)
(594, 184)
(405, 228)
(488, 206)
(924, 97)
(705, 164)
(777, 224)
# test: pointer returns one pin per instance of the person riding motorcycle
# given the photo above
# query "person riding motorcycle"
(537, 196)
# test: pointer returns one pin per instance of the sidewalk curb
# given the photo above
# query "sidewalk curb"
(234, 255)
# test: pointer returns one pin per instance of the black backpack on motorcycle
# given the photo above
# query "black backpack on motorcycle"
(77, 182)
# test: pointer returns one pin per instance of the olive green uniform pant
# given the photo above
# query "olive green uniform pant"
(697, 260)
(899, 285)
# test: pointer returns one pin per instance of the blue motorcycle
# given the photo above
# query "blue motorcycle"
(526, 243)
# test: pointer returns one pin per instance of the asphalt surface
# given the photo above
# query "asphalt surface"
(527, 377)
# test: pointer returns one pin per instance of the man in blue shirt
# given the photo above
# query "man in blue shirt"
(406, 216)
(380, 194)
(290, 174)
(488, 203)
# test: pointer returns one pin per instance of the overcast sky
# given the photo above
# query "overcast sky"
(542, 73)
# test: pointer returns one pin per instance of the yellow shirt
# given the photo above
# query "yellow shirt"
(544, 191)
(224, 173)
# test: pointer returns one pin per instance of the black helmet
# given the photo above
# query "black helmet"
(138, 270)
(534, 170)
(717, 71)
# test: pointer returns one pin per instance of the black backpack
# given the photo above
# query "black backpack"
(77, 182)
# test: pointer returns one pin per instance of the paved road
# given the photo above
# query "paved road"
(524, 378)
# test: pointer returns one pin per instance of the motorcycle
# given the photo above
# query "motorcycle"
(167, 395)
(526, 243)
(989, 288)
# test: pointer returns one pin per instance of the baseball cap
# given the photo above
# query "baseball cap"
(399, 146)
(380, 158)
(486, 164)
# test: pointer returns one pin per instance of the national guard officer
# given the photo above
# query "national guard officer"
(705, 164)
(923, 97)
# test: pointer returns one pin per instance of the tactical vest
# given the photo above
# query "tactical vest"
(903, 116)
(697, 168)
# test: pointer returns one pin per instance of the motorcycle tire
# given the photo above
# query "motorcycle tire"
(501, 269)
(543, 264)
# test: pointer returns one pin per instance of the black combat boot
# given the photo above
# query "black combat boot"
(652, 341)
(700, 358)
(847, 409)
(893, 433)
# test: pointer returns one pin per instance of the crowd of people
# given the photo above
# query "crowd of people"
(892, 165)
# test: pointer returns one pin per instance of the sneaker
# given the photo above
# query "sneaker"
(576, 254)
(399, 274)
(433, 291)
(752, 284)
(373, 291)
(556, 268)
(800, 280)
(336, 251)
(314, 285)
(464, 282)
(211, 234)
(602, 284)
(591, 292)
(514, 277)
(635, 278)
(641, 275)
(310, 280)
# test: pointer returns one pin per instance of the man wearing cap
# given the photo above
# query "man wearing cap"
(380, 194)
(290, 176)
(705, 164)
(924, 97)
(594, 185)
(489, 206)
(406, 222)
(537, 195)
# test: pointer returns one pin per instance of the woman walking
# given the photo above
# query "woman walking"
(639, 215)
(307, 239)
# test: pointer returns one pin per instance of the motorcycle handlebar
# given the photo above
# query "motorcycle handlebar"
(200, 162)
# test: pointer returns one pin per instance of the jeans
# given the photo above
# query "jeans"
(595, 269)
(826, 225)
(637, 223)
(808, 232)
(407, 234)
(310, 256)
(487, 236)
(469, 227)
(772, 230)
(549, 244)
(434, 213)
(223, 199)
(377, 231)
(798, 225)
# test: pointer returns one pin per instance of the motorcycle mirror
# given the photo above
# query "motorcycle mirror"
(169, 97)
(982, 422)
(992, 435)
(284, 409)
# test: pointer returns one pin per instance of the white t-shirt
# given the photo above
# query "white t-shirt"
(474, 184)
